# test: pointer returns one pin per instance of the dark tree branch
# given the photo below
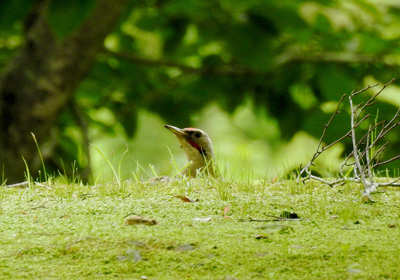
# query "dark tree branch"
(78, 51)
(293, 56)
(219, 70)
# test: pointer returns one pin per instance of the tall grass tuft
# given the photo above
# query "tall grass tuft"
(41, 157)
(116, 174)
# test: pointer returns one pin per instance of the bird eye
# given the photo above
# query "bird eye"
(197, 134)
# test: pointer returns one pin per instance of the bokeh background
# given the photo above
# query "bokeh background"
(260, 77)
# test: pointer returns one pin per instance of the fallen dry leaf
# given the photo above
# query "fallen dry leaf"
(137, 220)
(226, 209)
(260, 236)
(185, 198)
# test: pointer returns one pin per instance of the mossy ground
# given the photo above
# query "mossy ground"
(78, 232)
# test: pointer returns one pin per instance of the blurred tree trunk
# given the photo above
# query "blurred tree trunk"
(39, 82)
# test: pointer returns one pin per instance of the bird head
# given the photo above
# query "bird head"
(198, 149)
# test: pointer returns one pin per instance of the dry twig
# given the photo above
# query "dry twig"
(366, 154)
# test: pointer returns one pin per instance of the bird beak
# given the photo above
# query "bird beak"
(175, 130)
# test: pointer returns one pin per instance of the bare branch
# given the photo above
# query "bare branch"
(218, 70)
(357, 165)
(362, 120)
(354, 93)
(18, 185)
(366, 159)
(327, 182)
(391, 183)
(320, 142)
(379, 153)
(368, 162)
(387, 161)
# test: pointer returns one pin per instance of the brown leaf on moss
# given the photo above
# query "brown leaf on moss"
(261, 236)
(185, 198)
(226, 209)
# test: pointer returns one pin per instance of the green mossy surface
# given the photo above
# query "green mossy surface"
(57, 231)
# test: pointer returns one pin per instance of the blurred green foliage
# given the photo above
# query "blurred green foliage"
(287, 60)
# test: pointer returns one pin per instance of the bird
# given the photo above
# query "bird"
(198, 149)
